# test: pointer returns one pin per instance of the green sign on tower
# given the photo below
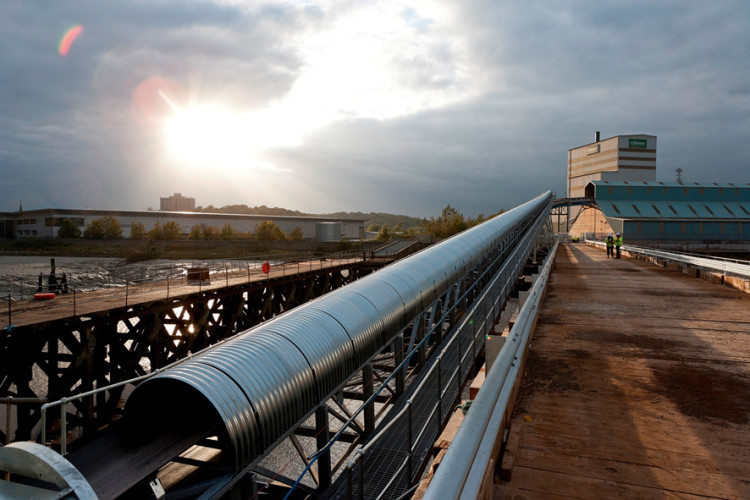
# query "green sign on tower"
(637, 143)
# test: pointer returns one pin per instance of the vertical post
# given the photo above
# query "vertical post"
(408, 441)
(323, 435)
(7, 419)
(63, 427)
(348, 483)
(362, 476)
(367, 392)
(74, 301)
(253, 478)
(422, 351)
(127, 288)
(440, 391)
(398, 354)
(167, 285)
(7, 429)
(10, 318)
(460, 362)
(44, 424)
(226, 275)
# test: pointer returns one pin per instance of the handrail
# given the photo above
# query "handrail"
(132, 288)
(468, 319)
(9, 402)
(726, 266)
(470, 453)
(63, 402)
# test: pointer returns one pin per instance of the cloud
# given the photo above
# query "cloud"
(400, 106)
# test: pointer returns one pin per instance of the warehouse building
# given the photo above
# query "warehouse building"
(45, 223)
(667, 214)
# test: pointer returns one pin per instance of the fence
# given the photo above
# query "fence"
(169, 280)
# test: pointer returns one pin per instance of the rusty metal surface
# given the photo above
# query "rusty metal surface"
(636, 386)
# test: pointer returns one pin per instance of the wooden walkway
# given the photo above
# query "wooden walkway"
(637, 386)
(30, 312)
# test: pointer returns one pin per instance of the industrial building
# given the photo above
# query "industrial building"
(44, 223)
(667, 213)
(619, 158)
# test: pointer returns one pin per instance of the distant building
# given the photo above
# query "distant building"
(668, 214)
(44, 223)
(619, 158)
(177, 203)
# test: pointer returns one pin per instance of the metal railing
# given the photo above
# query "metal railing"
(63, 403)
(726, 266)
(449, 369)
(463, 468)
(172, 280)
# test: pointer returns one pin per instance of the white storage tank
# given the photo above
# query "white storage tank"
(328, 231)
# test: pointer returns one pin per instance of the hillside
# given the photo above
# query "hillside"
(377, 218)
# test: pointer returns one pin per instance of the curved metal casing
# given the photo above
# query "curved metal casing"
(265, 380)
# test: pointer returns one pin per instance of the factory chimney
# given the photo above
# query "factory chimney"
(596, 136)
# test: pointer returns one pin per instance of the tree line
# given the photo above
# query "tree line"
(109, 228)
(449, 222)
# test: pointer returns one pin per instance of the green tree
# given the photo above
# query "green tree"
(209, 232)
(94, 231)
(172, 231)
(450, 222)
(296, 234)
(68, 229)
(373, 228)
(137, 231)
(103, 228)
(195, 233)
(203, 232)
(227, 232)
(383, 234)
(269, 231)
(169, 231)
(156, 232)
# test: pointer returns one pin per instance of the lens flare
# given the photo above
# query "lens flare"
(68, 38)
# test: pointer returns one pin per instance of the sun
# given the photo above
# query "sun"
(213, 136)
(209, 136)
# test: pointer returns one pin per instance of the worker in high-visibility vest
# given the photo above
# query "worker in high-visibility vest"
(610, 240)
(618, 243)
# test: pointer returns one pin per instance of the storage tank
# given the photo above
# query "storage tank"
(328, 231)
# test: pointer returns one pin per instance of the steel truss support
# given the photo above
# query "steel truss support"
(76, 354)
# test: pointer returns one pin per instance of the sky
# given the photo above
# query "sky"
(392, 106)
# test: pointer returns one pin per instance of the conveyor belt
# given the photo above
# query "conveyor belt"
(116, 460)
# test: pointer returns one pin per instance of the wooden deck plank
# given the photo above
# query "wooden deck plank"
(636, 386)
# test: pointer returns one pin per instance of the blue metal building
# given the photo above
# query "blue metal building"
(649, 211)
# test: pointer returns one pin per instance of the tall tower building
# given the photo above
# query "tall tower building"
(619, 158)
(177, 203)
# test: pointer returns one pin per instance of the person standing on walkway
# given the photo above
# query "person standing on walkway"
(618, 244)
(610, 240)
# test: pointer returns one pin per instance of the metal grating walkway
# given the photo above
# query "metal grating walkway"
(383, 461)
